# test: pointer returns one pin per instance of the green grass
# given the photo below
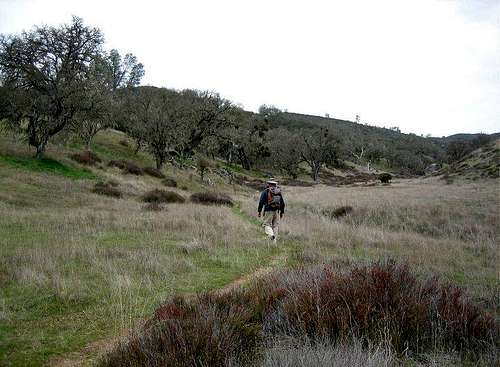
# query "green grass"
(46, 165)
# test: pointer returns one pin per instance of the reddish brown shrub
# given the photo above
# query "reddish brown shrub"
(89, 158)
(162, 196)
(154, 172)
(127, 167)
(386, 299)
(205, 333)
(378, 303)
(216, 198)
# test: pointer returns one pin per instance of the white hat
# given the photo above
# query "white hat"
(271, 182)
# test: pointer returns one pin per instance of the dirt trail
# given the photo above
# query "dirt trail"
(86, 356)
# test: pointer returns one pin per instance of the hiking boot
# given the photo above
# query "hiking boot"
(273, 238)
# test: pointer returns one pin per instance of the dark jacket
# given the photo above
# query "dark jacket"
(267, 208)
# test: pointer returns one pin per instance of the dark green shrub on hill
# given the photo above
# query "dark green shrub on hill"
(214, 198)
(169, 182)
(334, 213)
(385, 177)
(162, 196)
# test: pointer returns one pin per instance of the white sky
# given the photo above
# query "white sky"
(427, 66)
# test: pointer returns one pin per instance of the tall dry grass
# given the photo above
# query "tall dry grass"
(324, 354)
(73, 260)
(444, 230)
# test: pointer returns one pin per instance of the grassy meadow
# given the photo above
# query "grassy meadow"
(77, 267)
(450, 231)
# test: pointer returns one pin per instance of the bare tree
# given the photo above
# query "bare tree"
(108, 74)
(154, 114)
(204, 115)
(285, 153)
(124, 73)
(317, 148)
(44, 70)
(99, 105)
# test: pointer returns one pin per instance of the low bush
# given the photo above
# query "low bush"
(385, 177)
(107, 188)
(169, 182)
(334, 213)
(112, 183)
(381, 303)
(154, 172)
(214, 198)
(126, 167)
(154, 207)
(162, 196)
(209, 333)
(88, 158)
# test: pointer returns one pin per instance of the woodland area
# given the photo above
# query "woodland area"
(60, 81)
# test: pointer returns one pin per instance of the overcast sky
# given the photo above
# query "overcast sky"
(427, 66)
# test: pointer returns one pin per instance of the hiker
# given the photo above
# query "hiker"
(271, 199)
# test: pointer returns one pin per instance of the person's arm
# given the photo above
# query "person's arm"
(262, 202)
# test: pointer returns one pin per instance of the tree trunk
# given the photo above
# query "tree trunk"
(88, 144)
(159, 163)
(138, 145)
(244, 159)
(40, 150)
(315, 172)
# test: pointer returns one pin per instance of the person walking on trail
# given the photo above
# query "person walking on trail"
(271, 200)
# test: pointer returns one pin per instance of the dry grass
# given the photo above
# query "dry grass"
(444, 230)
(154, 172)
(107, 188)
(324, 354)
(75, 266)
(91, 263)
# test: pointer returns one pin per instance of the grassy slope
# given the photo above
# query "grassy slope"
(76, 267)
(442, 230)
(481, 163)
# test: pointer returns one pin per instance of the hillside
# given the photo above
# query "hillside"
(81, 272)
(467, 137)
(386, 148)
(483, 162)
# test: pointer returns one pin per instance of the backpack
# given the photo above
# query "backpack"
(274, 197)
